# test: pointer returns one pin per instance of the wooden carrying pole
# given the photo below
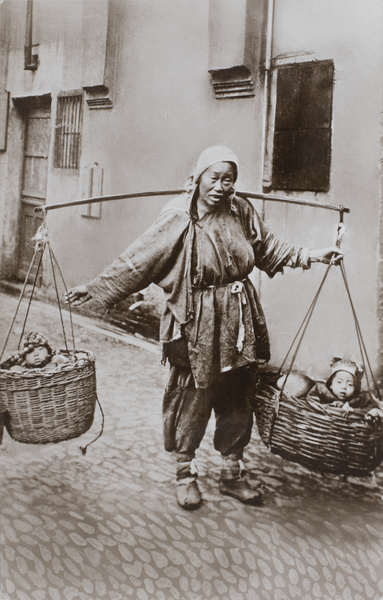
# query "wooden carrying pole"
(255, 196)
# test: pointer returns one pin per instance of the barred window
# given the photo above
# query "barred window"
(302, 135)
(68, 132)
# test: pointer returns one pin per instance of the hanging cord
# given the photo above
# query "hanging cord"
(302, 329)
(340, 230)
(66, 291)
(303, 326)
(30, 297)
(58, 297)
(84, 448)
(54, 262)
(362, 346)
(40, 240)
(339, 233)
(19, 301)
(364, 356)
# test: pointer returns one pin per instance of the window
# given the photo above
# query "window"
(237, 41)
(301, 155)
(68, 132)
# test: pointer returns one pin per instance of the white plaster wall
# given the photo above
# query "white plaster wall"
(349, 32)
(71, 38)
(164, 115)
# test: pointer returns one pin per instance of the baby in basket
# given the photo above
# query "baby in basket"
(342, 388)
(36, 353)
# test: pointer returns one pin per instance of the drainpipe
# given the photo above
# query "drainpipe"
(30, 59)
(266, 101)
(267, 79)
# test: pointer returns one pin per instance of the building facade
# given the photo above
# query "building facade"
(103, 97)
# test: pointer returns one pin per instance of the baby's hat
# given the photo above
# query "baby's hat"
(342, 364)
(31, 339)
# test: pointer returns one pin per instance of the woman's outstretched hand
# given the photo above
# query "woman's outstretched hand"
(332, 255)
(77, 295)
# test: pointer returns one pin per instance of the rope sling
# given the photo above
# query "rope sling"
(43, 406)
(320, 437)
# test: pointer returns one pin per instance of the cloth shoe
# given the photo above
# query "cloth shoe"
(188, 494)
(239, 489)
(232, 483)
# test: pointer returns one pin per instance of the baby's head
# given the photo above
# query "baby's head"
(36, 350)
(345, 379)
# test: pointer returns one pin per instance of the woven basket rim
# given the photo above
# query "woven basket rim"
(317, 407)
(31, 373)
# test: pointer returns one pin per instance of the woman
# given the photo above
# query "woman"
(200, 251)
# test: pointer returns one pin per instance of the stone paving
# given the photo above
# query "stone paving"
(106, 525)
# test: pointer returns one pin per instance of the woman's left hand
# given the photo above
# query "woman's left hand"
(332, 255)
(77, 295)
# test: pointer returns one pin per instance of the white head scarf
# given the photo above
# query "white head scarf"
(211, 156)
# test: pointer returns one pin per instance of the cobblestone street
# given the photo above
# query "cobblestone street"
(106, 525)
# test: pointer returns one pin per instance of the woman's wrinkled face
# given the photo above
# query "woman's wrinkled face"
(215, 184)
(343, 385)
(37, 356)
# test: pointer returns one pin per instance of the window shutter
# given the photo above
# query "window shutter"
(302, 136)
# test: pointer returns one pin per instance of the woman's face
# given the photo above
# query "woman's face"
(215, 184)
(342, 385)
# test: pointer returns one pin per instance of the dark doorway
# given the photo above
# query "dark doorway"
(34, 179)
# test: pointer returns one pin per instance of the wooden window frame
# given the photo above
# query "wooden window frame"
(4, 119)
(68, 135)
(311, 170)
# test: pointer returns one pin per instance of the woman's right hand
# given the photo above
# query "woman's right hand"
(77, 295)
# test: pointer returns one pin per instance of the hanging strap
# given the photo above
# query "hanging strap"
(41, 242)
(54, 263)
(340, 230)
(20, 299)
(30, 298)
(362, 346)
(302, 329)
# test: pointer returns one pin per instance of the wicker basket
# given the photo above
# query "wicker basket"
(320, 437)
(50, 406)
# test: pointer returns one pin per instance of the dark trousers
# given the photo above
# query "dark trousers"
(187, 410)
